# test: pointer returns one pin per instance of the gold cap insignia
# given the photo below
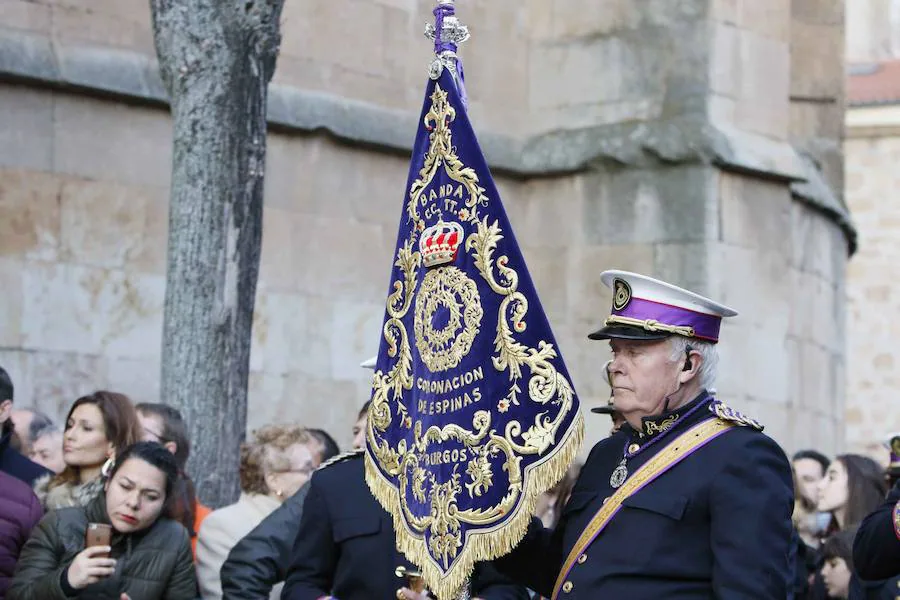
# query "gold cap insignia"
(621, 294)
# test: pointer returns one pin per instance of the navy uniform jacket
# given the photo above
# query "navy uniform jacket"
(346, 545)
(876, 549)
(717, 525)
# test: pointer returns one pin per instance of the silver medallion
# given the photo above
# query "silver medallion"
(619, 475)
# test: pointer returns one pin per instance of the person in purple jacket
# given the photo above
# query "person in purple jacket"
(20, 511)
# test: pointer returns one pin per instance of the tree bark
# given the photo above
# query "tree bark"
(216, 58)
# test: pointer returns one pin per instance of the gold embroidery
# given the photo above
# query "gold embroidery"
(651, 325)
(651, 427)
(450, 290)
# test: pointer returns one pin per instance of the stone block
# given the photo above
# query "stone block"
(589, 299)
(816, 248)
(815, 49)
(726, 11)
(539, 24)
(264, 401)
(107, 141)
(138, 378)
(149, 253)
(725, 62)
(547, 267)
(292, 331)
(819, 12)
(26, 128)
(314, 402)
(815, 311)
(11, 307)
(583, 18)
(78, 309)
(93, 27)
(755, 213)
(344, 259)
(29, 214)
(812, 120)
(57, 379)
(603, 70)
(331, 23)
(546, 213)
(28, 16)
(684, 264)
(355, 335)
(765, 82)
(751, 281)
(769, 18)
(279, 266)
(16, 362)
(754, 363)
(135, 10)
(102, 223)
(134, 318)
(650, 206)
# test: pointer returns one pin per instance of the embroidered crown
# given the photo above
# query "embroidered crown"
(440, 243)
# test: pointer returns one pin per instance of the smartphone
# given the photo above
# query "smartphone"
(98, 534)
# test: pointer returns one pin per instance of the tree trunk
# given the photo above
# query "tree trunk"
(216, 58)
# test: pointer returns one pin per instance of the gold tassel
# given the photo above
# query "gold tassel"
(480, 546)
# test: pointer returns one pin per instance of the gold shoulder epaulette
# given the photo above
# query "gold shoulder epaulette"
(726, 413)
(341, 458)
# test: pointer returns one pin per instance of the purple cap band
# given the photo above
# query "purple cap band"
(705, 326)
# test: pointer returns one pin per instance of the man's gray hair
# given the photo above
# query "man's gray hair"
(709, 369)
(41, 424)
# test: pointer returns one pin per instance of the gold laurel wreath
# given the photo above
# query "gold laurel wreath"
(545, 386)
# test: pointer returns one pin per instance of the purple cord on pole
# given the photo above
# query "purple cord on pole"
(440, 12)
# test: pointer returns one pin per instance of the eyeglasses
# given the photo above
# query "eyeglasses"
(159, 438)
(308, 470)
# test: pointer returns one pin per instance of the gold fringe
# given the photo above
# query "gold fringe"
(487, 545)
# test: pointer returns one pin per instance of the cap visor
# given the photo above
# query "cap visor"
(623, 332)
(603, 410)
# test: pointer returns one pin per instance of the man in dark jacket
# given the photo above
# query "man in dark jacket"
(20, 511)
(689, 500)
(347, 549)
(876, 550)
(11, 461)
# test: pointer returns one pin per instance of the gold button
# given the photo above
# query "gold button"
(582, 559)
(633, 448)
(567, 587)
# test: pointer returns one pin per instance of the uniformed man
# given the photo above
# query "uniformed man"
(346, 548)
(610, 408)
(876, 550)
(689, 499)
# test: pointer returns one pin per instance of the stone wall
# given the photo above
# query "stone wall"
(647, 135)
(872, 153)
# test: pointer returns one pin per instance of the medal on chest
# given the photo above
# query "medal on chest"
(619, 474)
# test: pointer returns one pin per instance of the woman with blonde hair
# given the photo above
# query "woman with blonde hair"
(98, 428)
(276, 464)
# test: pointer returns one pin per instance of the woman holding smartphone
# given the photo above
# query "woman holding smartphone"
(147, 556)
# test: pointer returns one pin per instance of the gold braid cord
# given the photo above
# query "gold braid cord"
(444, 562)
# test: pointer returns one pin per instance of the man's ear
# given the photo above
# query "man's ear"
(171, 447)
(693, 362)
(5, 410)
